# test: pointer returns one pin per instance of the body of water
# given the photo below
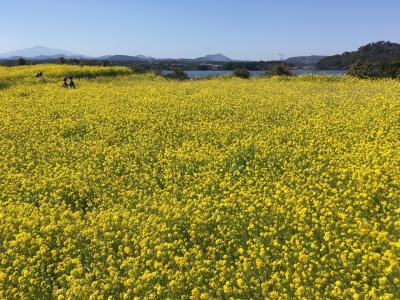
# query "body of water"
(204, 74)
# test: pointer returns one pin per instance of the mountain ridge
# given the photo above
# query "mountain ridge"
(126, 58)
(41, 53)
(44, 53)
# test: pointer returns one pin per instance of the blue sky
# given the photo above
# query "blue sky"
(241, 29)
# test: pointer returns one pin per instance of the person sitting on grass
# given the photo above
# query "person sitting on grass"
(65, 83)
(71, 83)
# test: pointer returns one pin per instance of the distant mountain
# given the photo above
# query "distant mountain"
(213, 58)
(304, 60)
(377, 53)
(40, 52)
(126, 58)
(129, 58)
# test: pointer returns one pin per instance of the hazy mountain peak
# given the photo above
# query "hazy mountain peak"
(39, 51)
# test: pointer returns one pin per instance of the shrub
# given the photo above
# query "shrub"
(178, 75)
(242, 73)
(280, 69)
(137, 69)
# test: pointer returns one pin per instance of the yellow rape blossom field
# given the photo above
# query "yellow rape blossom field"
(133, 186)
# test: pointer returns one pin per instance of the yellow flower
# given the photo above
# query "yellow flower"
(259, 263)
(139, 187)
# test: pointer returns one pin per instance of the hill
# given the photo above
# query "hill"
(377, 53)
(213, 58)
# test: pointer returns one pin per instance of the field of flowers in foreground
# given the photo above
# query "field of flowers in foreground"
(138, 186)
